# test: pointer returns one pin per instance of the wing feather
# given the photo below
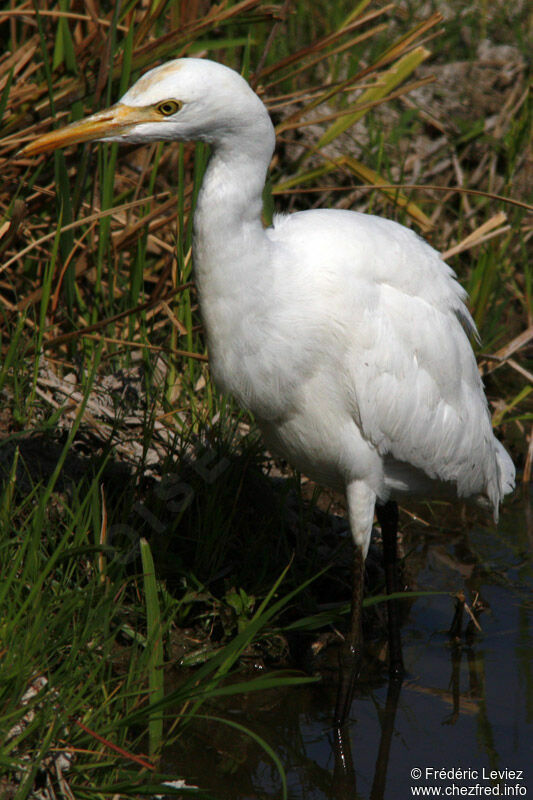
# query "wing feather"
(397, 321)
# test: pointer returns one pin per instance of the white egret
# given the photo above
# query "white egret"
(345, 334)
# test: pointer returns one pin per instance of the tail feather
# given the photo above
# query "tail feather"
(506, 476)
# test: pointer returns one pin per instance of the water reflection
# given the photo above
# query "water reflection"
(466, 703)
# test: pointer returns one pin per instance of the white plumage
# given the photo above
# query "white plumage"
(345, 334)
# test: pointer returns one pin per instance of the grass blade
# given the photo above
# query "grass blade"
(155, 646)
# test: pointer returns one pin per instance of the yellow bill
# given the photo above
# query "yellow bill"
(108, 124)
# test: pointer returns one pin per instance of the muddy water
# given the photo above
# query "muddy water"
(461, 725)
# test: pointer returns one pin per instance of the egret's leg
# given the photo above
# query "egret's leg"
(352, 649)
(361, 502)
(387, 718)
(388, 519)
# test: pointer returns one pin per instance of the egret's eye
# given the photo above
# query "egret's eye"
(169, 107)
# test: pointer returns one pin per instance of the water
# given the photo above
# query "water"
(465, 707)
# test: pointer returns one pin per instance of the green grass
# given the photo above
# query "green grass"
(90, 633)
(129, 514)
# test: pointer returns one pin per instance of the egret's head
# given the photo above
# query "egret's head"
(185, 100)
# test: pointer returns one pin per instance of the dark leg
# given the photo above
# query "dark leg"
(455, 682)
(387, 731)
(388, 519)
(344, 779)
(350, 654)
(456, 628)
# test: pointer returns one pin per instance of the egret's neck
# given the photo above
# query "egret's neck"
(231, 251)
(228, 233)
